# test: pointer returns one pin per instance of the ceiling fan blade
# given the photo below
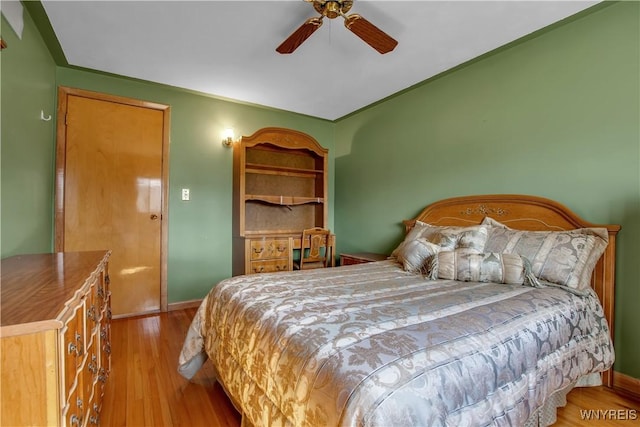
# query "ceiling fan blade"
(369, 33)
(300, 35)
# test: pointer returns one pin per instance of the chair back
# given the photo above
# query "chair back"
(320, 248)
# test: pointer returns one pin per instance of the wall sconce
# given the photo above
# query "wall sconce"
(227, 137)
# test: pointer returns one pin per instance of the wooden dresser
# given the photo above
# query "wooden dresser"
(279, 189)
(55, 338)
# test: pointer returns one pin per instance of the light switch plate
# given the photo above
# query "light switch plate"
(186, 194)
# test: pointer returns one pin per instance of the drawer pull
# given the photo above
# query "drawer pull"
(75, 420)
(79, 403)
(91, 313)
(281, 248)
(258, 269)
(107, 280)
(258, 250)
(80, 346)
(100, 292)
(72, 348)
(94, 419)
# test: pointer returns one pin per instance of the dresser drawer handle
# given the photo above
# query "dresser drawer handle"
(80, 346)
(258, 250)
(72, 348)
(281, 248)
(75, 420)
(258, 269)
(91, 313)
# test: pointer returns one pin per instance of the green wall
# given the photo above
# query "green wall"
(555, 116)
(27, 148)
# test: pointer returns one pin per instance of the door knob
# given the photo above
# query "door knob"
(154, 216)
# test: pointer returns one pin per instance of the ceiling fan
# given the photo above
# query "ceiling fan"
(355, 23)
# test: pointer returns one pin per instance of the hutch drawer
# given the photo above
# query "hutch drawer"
(269, 266)
(269, 248)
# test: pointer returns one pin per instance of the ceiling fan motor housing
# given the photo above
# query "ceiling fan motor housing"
(332, 8)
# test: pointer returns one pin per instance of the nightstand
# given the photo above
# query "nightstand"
(361, 258)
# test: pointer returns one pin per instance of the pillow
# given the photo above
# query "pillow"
(565, 257)
(481, 267)
(413, 234)
(446, 238)
(415, 253)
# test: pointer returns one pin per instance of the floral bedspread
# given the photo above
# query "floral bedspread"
(373, 345)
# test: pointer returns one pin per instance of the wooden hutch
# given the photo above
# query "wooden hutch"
(279, 189)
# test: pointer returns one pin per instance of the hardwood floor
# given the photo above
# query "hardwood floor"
(145, 389)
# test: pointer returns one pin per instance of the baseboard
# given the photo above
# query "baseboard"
(626, 385)
(137, 314)
(184, 304)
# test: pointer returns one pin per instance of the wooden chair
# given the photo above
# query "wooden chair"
(316, 249)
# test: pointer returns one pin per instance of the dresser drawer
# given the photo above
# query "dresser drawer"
(72, 346)
(269, 248)
(74, 411)
(269, 266)
(105, 351)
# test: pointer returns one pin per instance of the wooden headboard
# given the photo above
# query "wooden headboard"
(524, 212)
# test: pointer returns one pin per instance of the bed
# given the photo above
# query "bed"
(432, 336)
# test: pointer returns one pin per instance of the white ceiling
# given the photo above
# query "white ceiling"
(227, 48)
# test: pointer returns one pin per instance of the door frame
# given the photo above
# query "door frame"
(61, 148)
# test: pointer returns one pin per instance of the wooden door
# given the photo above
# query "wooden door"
(111, 191)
